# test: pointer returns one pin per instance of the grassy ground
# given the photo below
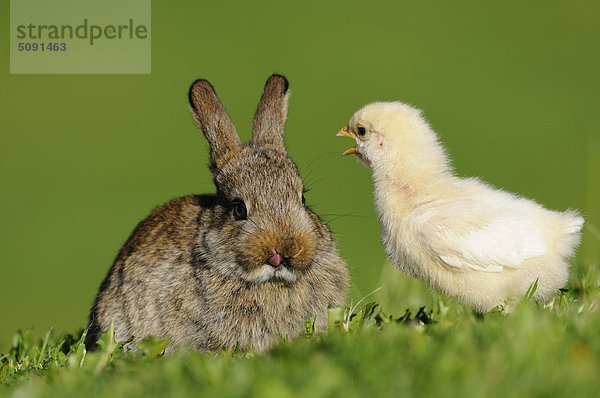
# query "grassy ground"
(435, 347)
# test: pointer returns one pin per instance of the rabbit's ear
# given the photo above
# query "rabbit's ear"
(269, 120)
(212, 119)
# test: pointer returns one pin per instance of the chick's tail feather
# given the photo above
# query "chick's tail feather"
(575, 222)
(570, 236)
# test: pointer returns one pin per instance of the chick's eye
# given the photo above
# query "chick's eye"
(239, 210)
(361, 131)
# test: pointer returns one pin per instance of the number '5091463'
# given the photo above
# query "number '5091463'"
(42, 47)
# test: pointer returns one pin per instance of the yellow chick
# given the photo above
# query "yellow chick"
(480, 245)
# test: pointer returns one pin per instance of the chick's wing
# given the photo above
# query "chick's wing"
(482, 233)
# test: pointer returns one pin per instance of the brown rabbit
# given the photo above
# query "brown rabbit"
(244, 266)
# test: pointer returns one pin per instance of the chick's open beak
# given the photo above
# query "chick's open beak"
(346, 133)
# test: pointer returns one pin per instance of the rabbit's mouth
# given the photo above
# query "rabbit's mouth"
(268, 272)
(282, 272)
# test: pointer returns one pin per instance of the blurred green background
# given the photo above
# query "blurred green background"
(512, 88)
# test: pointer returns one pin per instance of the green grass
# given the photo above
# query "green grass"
(434, 348)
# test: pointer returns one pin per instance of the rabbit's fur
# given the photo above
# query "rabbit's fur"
(197, 273)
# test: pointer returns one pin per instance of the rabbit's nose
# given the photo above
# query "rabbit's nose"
(276, 259)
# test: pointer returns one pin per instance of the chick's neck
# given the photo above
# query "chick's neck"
(403, 183)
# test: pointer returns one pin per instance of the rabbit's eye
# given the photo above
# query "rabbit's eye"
(304, 190)
(239, 210)
(361, 131)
